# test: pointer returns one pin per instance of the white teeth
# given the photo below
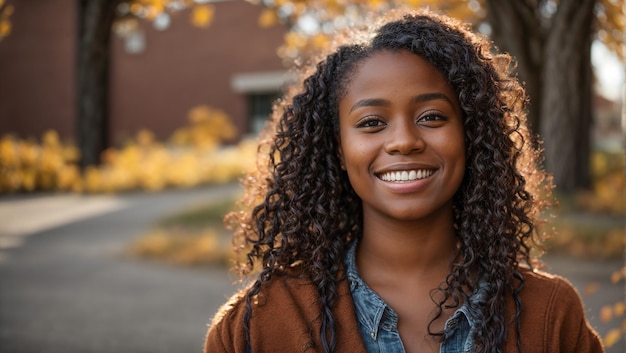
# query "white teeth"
(405, 175)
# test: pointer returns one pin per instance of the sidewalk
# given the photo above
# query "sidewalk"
(71, 287)
(24, 215)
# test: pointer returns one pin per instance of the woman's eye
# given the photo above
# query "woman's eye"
(432, 118)
(370, 123)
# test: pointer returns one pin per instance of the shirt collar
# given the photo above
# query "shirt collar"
(371, 309)
(351, 270)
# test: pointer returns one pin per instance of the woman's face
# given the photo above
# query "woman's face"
(401, 137)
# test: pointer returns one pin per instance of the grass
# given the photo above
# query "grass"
(193, 237)
(588, 225)
(207, 215)
(587, 238)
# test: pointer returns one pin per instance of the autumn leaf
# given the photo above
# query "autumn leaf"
(618, 275)
(591, 288)
(268, 18)
(618, 308)
(202, 15)
(606, 313)
(612, 337)
(5, 28)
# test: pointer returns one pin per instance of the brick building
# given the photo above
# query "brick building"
(156, 75)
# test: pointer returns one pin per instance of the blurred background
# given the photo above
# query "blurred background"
(125, 126)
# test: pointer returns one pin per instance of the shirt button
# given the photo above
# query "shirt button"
(373, 335)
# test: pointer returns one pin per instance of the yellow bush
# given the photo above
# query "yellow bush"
(185, 248)
(26, 165)
(191, 156)
(607, 193)
(207, 128)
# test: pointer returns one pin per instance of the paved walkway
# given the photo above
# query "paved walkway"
(27, 215)
(67, 285)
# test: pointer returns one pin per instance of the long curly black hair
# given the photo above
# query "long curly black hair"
(300, 209)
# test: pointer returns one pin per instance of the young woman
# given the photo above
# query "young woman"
(396, 208)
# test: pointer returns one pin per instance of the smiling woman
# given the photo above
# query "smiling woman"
(395, 206)
(400, 117)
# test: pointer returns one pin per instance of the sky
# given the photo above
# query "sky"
(609, 71)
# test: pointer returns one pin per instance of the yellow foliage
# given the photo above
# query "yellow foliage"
(28, 166)
(183, 247)
(612, 337)
(5, 23)
(145, 138)
(606, 313)
(207, 129)
(413, 3)
(192, 156)
(320, 40)
(375, 3)
(333, 13)
(618, 308)
(618, 275)
(9, 157)
(590, 289)
(50, 139)
(295, 40)
(202, 15)
(268, 18)
(5, 28)
(608, 172)
(92, 181)
(136, 8)
(612, 24)
(184, 170)
(28, 177)
(28, 153)
(68, 177)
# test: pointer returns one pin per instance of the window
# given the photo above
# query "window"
(261, 90)
(259, 109)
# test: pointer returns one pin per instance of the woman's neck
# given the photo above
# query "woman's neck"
(412, 247)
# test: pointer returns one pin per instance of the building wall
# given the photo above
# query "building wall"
(185, 66)
(37, 69)
(181, 67)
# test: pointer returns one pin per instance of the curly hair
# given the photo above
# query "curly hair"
(300, 211)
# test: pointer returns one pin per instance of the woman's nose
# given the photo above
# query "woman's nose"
(404, 139)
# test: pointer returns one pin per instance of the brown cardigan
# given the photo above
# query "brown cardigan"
(285, 318)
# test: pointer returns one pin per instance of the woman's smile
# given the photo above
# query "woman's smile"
(405, 176)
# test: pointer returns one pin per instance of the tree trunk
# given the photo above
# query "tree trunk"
(94, 32)
(554, 61)
(517, 29)
(566, 108)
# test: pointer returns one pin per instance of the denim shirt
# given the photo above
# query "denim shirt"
(378, 322)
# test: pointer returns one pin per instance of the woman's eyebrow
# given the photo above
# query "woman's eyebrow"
(379, 102)
(370, 102)
(431, 96)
